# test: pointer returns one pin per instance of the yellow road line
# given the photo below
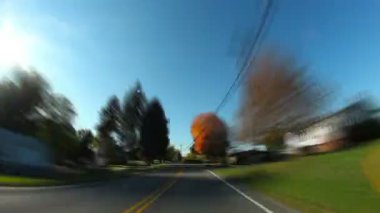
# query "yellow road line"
(145, 202)
(141, 202)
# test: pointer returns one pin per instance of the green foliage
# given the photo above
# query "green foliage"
(86, 140)
(58, 108)
(134, 154)
(20, 100)
(113, 153)
(120, 125)
(108, 128)
(170, 153)
(274, 139)
(29, 106)
(154, 133)
(173, 154)
(194, 158)
(192, 150)
(133, 109)
(110, 117)
(61, 138)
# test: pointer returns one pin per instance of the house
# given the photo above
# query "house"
(247, 153)
(328, 133)
(22, 153)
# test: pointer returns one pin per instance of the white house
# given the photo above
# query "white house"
(328, 133)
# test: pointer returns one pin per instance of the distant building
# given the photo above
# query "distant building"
(328, 133)
(246, 153)
(19, 151)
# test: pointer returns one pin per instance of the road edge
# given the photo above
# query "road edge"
(261, 206)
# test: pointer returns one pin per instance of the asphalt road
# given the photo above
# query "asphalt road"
(170, 190)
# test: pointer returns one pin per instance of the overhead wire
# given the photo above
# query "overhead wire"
(265, 21)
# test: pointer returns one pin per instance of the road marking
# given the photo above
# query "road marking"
(141, 202)
(147, 204)
(147, 201)
(242, 193)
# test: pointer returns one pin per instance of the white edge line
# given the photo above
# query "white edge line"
(242, 193)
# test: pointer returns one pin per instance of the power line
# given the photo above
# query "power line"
(248, 61)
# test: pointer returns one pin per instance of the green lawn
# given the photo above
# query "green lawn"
(26, 181)
(335, 182)
(89, 175)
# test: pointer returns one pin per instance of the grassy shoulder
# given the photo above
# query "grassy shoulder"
(344, 181)
(8, 180)
(108, 173)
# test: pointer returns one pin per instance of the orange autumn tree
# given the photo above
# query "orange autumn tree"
(209, 134)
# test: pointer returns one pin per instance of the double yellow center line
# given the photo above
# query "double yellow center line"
(148, 200)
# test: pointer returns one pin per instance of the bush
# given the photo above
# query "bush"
(364, 131)
(193, 161)
(274, 139)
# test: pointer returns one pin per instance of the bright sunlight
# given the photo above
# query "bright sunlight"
(13, 46)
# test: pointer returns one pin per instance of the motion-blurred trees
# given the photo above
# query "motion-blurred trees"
(86, 141)
(61, 138)
(110, 118)
(21, 97)
(133, 109)
(108, 129)
(192, 149)
(28, 106)
(58, 108)
(277, 94)
(27, 98)
(154, 132)
(210, 135)
(173, 154)
(274, 138)
(55, 127)
(119, 128)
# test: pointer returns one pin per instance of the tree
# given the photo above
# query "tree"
(192, 150)
(154, 132)
(20, 98)
(277, 94)
(110, 118)
(86, 140)
(210, 135)
(173, 154)
(58, 108)
(179, 157)
(26, 99)
(29, 106)
(274, 138)
(108, 129)
(61, 138)
(133, 110)
(120, 124)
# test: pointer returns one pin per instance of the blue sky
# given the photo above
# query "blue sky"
(184, 52)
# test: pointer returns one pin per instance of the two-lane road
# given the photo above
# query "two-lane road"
(170, 190)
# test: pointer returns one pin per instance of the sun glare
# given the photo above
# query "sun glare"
(13, 46)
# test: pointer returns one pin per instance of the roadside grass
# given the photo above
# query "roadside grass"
(65, 179)
(85, 175)
(337, 182)
(8, 180)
